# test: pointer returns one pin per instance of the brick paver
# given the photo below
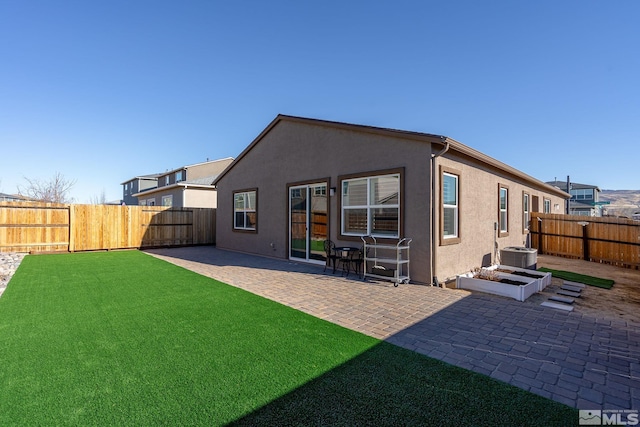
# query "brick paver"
(574, 358)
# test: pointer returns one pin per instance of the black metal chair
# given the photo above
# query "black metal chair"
(358, 262)
(330, 255)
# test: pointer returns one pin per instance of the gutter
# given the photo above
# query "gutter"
(434, 280)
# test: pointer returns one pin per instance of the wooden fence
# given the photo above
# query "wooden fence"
(43, 227)
(613, 241)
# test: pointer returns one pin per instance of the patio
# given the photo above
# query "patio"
(579, 358)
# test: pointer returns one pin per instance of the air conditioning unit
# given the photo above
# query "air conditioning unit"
(521, 257)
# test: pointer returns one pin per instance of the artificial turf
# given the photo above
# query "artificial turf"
(122, 338)
(580, 278)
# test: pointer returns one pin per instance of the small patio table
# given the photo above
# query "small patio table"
(345, 256)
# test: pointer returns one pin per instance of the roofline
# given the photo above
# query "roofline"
(183, 184)
(417, 136)
(153, 176)
(195, 164)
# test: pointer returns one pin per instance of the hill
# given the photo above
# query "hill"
(623, 202)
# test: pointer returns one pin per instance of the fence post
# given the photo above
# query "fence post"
(585, 240)
(72, 226)
(540, 240)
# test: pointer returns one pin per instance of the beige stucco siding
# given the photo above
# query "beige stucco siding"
(479, 212)
(294, 153)
(199, 198)
(207, 169)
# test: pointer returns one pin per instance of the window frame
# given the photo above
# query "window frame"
(399, 172)
(503, 226)
(445, 239)
(245, 229)
(546, 205)
(169, 198)
(526, 211)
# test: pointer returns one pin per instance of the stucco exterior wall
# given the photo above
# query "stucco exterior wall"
(480, 242)
(157, 196)
(295, 153)
(207, 169)
(303, 151)
(198, 198)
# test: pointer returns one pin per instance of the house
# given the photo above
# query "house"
(136, 185)
(584, 198)
(303, 180)
(187, 186)
(13, 198)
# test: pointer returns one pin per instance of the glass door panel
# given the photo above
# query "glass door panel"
(308, 218)
(298, 222)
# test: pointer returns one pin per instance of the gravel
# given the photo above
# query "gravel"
(9, 262)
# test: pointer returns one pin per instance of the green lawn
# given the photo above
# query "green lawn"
(122, 338)
(580, 278)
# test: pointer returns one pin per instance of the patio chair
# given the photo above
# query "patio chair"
(358, 261)
(330, 255)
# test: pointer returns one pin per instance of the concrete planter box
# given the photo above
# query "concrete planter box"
(543, 281)
(517, 292)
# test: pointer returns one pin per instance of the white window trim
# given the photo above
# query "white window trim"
(526, 211)
(504, 212)
(369, 207)
(456, 208)
(245, 196)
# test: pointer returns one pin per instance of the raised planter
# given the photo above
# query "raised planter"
(518, 292)
(544, 279)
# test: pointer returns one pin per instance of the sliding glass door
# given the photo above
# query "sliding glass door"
(308, 209)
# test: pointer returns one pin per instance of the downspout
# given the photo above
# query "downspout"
(434, 243)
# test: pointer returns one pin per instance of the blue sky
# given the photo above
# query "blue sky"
(102, 91)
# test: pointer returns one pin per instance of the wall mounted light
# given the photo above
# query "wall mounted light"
(332, 191)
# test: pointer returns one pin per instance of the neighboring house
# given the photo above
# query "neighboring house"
(188, 186)
(584, 198)
(12, 198)
(302, 181)
(137, 185)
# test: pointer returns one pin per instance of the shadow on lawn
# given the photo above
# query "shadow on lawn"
(388, 385)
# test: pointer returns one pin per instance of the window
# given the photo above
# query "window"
(244, 210)
(450, 206)
(167, 201)
(179, 176)
(525, 212)
(503, 219)
(166, 180)
(371, 206)
(582, 194)
(151, 202)
(547, 206)
(126, 188)
(143, 203)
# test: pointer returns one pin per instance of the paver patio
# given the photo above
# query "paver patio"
(575, 358)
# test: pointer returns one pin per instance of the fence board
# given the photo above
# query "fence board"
(607, 240)
(28, 227)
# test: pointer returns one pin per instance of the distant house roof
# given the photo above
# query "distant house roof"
(417, 136)
(13, 198)
(226, 159)
(153, 176)
(574, 185)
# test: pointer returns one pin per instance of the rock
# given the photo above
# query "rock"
(9, 262)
